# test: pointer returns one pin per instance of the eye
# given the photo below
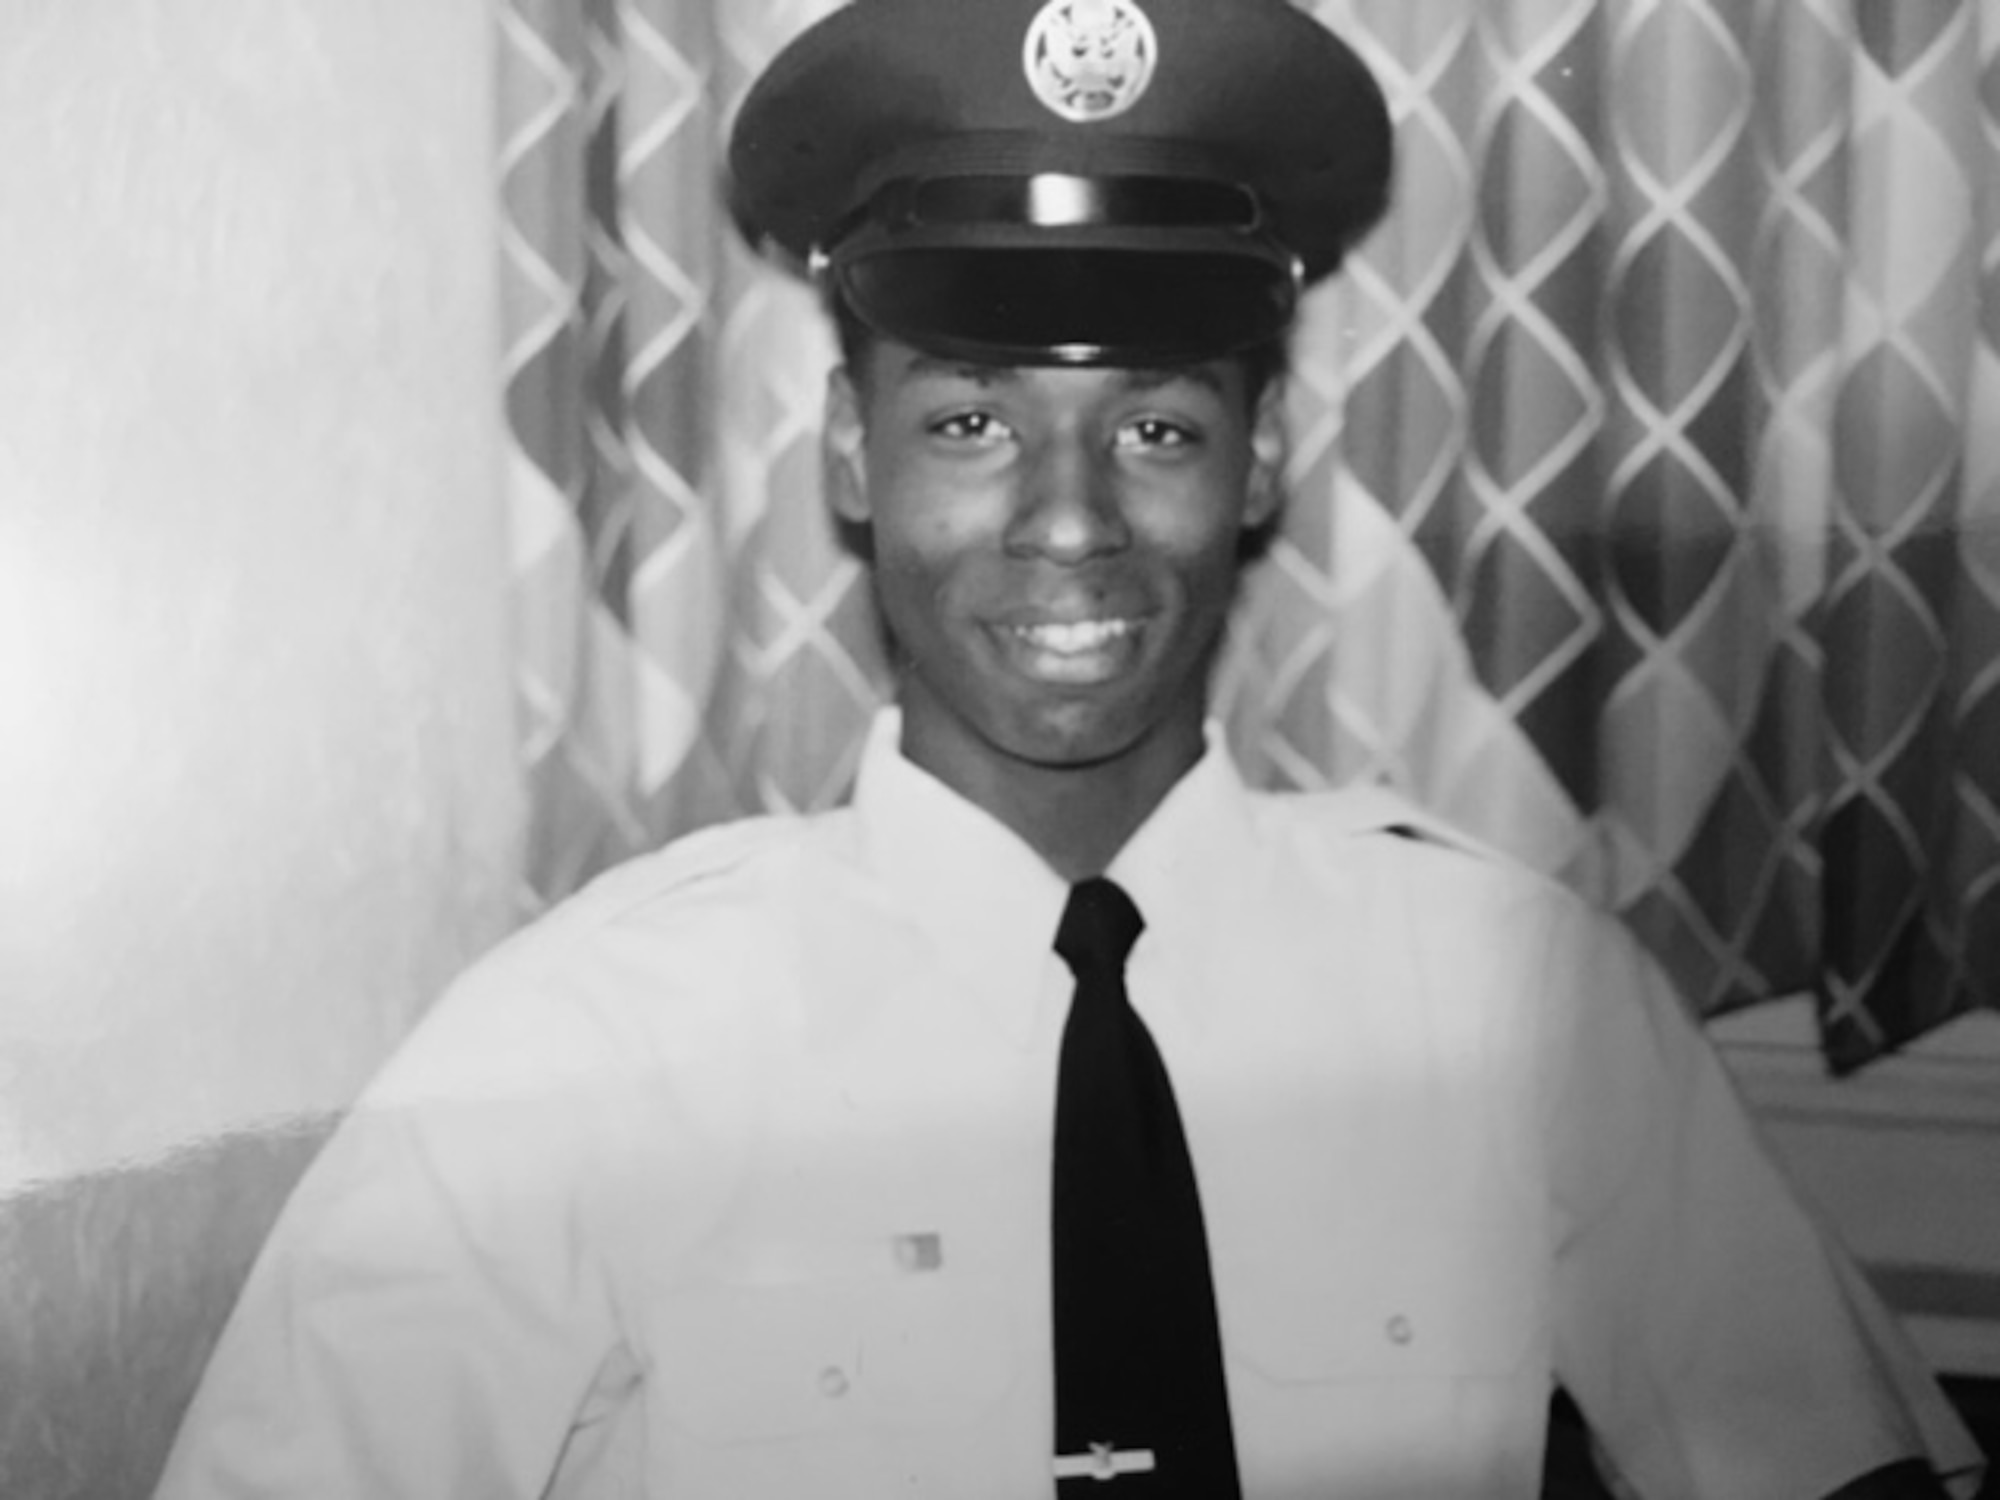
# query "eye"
(973, 428)
(1154, 434)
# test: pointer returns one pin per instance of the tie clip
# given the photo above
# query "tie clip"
(1104, 1462)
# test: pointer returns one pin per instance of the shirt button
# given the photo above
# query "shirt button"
(833, 1382)
(1400, 1331)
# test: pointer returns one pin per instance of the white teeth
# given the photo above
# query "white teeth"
(1071, 638)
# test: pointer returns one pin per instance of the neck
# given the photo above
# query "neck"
(1077, 817)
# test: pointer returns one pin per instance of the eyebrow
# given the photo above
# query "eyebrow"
(929, 365)
(1152, 378)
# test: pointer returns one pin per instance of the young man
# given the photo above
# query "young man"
(775, 1164)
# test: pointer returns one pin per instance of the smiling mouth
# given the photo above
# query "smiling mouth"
(1074, 637)
(1073, 653)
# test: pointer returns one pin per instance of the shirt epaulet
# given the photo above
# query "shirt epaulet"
(1363, 811)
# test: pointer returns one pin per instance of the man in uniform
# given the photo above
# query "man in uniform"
(1061, 1117)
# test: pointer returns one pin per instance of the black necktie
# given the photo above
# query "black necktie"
(1140, 1395)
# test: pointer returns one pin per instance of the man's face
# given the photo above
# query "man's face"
(1055, 549)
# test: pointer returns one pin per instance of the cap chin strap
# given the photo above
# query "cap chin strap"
(1066, 200)
(975, 207)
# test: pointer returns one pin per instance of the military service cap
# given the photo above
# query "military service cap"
(1111, 182)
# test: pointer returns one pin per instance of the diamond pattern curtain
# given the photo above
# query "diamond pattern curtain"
(1645, 510)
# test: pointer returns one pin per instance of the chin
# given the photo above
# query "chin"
(1077, 735)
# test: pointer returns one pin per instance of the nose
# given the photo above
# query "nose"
(1069, 509)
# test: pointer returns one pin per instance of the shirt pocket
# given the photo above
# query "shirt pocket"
(1386, 1328)
(1446, 1289)
(825, 1352)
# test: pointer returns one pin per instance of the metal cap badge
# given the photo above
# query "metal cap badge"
(1090, 59)
(1064, 181)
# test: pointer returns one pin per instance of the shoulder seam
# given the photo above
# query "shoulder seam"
(693, 859)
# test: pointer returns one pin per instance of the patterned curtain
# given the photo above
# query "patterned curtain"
(1645, 511)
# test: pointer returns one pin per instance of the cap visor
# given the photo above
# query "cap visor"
(1070, 306)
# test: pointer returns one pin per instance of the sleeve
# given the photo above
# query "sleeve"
(431, 1317)
(1718, 1341)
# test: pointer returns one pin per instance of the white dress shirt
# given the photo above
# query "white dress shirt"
(729, 1180)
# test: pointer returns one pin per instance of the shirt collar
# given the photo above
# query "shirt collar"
(991, 903)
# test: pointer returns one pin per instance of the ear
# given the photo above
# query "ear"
(1270, 449)
(844, 449)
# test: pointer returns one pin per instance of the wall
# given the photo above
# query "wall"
(256, 787)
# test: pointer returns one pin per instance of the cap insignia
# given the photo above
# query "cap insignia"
(1090, 59)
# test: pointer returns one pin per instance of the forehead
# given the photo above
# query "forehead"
(892, 366)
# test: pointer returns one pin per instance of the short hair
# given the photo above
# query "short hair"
(1262, 363)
